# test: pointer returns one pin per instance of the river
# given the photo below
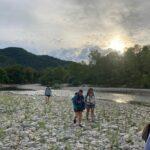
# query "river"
(118, 95)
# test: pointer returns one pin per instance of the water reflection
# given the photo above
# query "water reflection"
(69, 92)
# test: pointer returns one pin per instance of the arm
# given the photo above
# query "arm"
(45, 91)
(85, 99)
(94, 99)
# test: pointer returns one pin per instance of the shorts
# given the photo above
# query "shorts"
(48, 95)
(91, 105)
(78, 110)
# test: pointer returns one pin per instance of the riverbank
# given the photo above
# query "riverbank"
(98, 89)
(25, 125)
(115, 90)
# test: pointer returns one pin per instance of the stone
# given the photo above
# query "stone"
(1, 144)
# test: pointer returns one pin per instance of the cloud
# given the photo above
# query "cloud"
(46, 26)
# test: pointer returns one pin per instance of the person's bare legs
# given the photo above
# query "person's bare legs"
(75, 117)
(87, 113)
(80, 117)
(46, 99)
(92, 114)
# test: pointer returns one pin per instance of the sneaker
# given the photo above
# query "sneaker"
(80, 125)
(74, 121)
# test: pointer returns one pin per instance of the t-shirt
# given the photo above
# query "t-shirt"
(78, 102)
(147, 144)
(48, 91)
(90, 99)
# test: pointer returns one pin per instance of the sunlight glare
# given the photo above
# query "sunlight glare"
(117, 45)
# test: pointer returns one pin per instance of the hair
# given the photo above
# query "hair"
(81, 91)
(89, 90)
(76, 93)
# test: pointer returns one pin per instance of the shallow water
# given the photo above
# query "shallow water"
(69, 92)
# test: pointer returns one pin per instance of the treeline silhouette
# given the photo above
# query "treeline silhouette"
(14, 55)
(132, 69)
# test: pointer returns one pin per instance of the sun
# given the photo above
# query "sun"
(117, 45)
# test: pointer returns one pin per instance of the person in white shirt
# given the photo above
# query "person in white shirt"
(90, 104)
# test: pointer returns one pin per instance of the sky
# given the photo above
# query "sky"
(69, 29)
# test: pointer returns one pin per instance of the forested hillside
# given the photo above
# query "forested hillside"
(18, 56)
(132, 69)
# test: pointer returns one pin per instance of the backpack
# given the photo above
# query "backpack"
(79, 101)
(146, 132)
(48, 91)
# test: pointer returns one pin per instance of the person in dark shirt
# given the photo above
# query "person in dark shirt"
(79, 106)
(48, 94)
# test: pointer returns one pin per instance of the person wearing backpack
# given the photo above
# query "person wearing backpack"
(90, 104)
(146, 136)
(48, 93)
(79, 106)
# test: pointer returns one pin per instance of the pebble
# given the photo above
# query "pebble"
(58, 131)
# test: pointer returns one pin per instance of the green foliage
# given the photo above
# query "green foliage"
(129, 70)
(13, 55)
(78, 73)
(42, 124)
(16, 74)
(3, 76)
(132, 69)
(53, 76)
(2, 133)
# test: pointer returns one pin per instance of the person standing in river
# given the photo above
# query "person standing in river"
(48, 94)
(79, 106)
(90, 104)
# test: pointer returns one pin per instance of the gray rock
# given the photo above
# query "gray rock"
(31, 144)
(1, 144)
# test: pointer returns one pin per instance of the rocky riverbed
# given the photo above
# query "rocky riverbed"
(26, 122)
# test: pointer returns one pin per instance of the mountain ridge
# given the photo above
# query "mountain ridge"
(18, 56)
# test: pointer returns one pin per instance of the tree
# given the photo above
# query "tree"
(54, 75)
(3, 76)
(29, 75)
(16, 74)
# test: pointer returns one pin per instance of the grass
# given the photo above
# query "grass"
(2, 133)
(42, 124)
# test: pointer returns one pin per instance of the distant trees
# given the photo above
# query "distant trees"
(144, 66)
(53, 76)
(17, 75)
(78, 73)
(132, 69)
(3, 76)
